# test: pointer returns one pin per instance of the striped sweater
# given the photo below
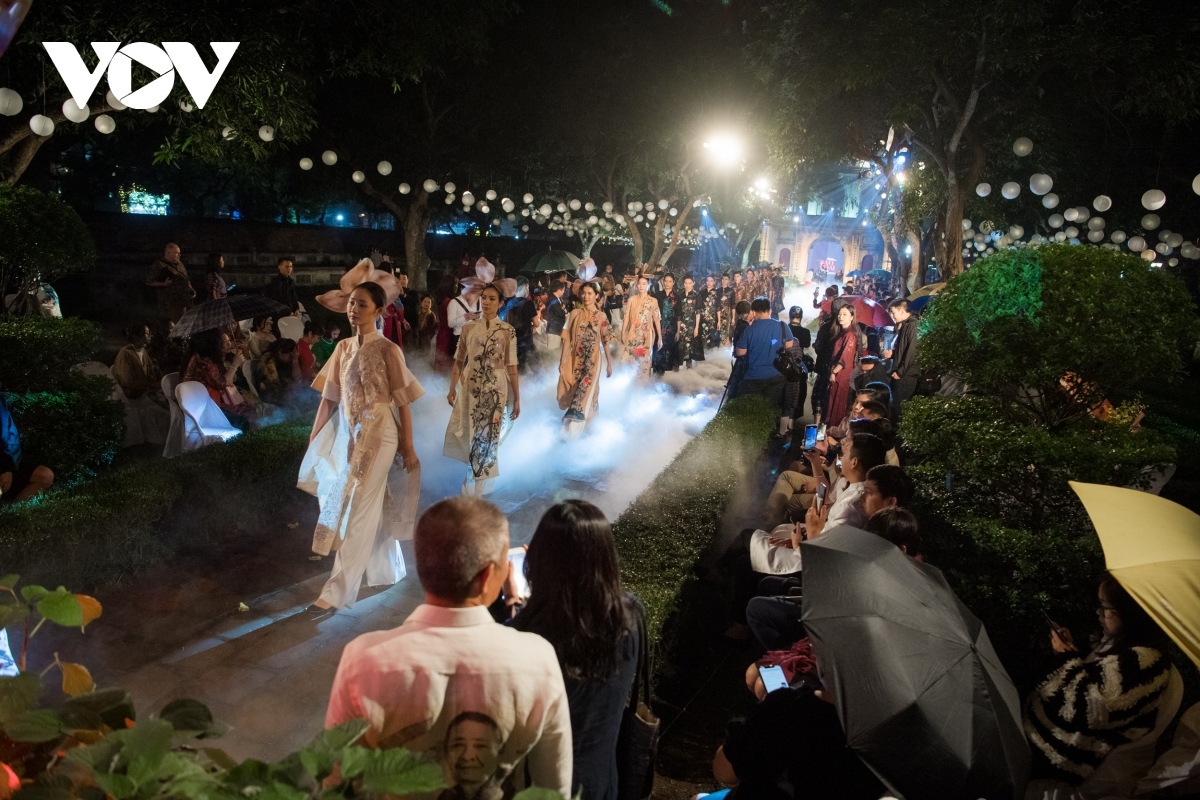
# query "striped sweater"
(1090, 705)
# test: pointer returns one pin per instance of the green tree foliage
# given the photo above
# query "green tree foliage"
(41, 239)
(1054, 329)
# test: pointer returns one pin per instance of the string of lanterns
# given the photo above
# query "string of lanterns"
(986, 240)
(11, 104)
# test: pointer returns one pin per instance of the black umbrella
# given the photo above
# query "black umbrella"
(226, 311)
(919, 689)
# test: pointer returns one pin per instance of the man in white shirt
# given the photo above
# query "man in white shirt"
(450, 667)
(778, 552)
(461, 310)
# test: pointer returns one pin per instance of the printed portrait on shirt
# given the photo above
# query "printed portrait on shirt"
(471, 759)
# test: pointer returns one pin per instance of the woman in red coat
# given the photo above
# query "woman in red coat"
(843, 357)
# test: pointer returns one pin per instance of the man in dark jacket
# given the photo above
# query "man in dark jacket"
(905, 371)
(17, 483)
(282, 288)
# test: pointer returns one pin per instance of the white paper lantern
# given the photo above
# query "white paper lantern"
(468, 199)
(449, 200)
(10, 103)
(74, 112)
(1011, 190)
(662, 205)
(113, 102)
(186, 107)
(1023, 146)
(528, 198)
(153, 109)
(1071, 214)
(1060, 237)
(329, 158)
(607, 206)
(405, 188)
(1196, 184)
(1148, 255)
(1050, 200)
(1073, 232)
(1102, 203)
(967, 224)
(589, 207)
(1096, 224)
(576, 205)
(674, 212)
(105, 124)
(1137, 244)
(638, 218)
(524, 212)
(484, 208)
(511, 217)
(546, 209)
(384, 168)
(593, 219)
(637, 205)
(430, 186)
(1175, 239)
(1016, 232)
(449, 187)
(1190, 251)
(358, 176)
(1163, 248)
(1154, 199)
(41, 124)
(1095, 236)
(1163, 235)
(1151, 221)
(983, 189)
(561, 207)
(1118, 236)
(507, 205)
(1174, 262)
(228, 133)
(1055, 221)
(1040, 183)
(306, 164)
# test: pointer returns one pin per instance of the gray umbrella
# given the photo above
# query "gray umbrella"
(226, 311)
(919, 689)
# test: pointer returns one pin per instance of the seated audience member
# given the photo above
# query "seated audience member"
(450, 662)
(21, 477)
(871, 370)
(793, 738)
(323, 349)
(277, 371)
(260, 337)
(1107, 698)
(141, 384)
(214, 364)
(304, 353)
(576, 602)
(886, 486)
(882, 393)
(899, 526)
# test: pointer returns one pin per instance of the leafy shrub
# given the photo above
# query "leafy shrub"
(41, 238)
(127, 519)
(1020, 321)
(664, 531)
(40, 353)
(1012, 469)
(73, 431)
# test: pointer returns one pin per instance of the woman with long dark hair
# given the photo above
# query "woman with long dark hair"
(576, 602)
(1094, 703)
(214, 282)
(214, 363)
(844, 349)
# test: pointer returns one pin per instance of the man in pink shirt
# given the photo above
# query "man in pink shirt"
(450, 669)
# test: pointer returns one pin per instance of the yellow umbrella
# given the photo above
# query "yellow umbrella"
(932, 288)
(1152, 546)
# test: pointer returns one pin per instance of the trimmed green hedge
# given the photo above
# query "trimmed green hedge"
(126, 519)
(664, 531)
(39, 353)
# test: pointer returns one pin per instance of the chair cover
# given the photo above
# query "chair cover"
(1178, 767)
(174, 443)
(203, 421)
(145, 420)
(291, 328)
(248, 374)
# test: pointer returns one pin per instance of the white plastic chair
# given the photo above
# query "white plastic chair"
(203, 421)
(174, 445)
(291, 328)
(248, 374)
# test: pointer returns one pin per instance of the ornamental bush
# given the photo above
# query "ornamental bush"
(40, 353)
(41, 238)
(1019, 322)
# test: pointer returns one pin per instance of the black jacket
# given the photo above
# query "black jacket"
(282, 289)
(904, 350)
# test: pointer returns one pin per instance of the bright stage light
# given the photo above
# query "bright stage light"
(724, 149)
(763, 183)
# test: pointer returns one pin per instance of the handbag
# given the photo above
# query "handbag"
(637, 743)
(786, 365)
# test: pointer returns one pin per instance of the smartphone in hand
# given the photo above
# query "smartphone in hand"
(773, 678)
(810, 437)
(819, 500)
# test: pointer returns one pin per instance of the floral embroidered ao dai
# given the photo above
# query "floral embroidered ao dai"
(486, 349)
(584, 337)
(368, 502)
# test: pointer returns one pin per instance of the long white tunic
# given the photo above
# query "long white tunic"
(485, 351)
